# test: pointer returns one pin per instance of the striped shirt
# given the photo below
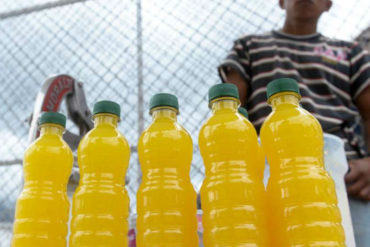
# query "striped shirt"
(331, 74)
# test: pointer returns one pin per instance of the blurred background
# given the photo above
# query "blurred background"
(128, 50)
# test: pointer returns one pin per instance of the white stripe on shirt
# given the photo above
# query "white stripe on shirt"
(359, 72)
(299, 43)
(302, 66)
(273, 48)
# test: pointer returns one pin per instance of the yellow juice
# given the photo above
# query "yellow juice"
(101, 204)
(260, 170)
(166, 200)
(42, 209)
(303, 205)
(232, 193)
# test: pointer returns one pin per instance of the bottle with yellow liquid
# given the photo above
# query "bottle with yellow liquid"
(100, 203)
(42, 209)
(243, 112)
(166, 200)
(260, 155)
(302, 198)
(232, 193)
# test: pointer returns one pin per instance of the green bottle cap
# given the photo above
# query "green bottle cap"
(282, 85)
(223, 90)
(243, 111)
(54, 118)
(163, 99)
(106, 106)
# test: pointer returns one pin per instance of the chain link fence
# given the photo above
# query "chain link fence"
(126, 51)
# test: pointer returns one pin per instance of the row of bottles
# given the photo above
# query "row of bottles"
(298, 209)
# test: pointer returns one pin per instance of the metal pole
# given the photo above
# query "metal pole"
(37, 8)
(140, 67)
(140, 79)
(11, 162)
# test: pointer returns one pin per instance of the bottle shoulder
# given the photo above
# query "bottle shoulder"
(167, 130)
(104, 132)
(292, 134)
(170, 138)
(47, 156)
(51, 144)
(227, 122)
(104, 136)
(290, 118)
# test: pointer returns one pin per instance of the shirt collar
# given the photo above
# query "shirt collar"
(313, 36)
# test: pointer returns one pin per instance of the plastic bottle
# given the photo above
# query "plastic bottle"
(232, 193)
(243, 112)
(302, 198)
(100, 203)
(260, 153)
(166, 200)
(42, 209)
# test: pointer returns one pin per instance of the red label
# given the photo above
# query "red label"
(61, 86)
(131, 238)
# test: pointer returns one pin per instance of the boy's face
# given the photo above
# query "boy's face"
(305, 9)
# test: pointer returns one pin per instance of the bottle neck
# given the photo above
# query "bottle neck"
(287, 99)
(51, 129)
(106, 119)
(225, 104)
(167, 113)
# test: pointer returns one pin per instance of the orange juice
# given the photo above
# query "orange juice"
(100, 203)
(260, 153)
(232, 193)
(166, 200)
(41, 214)
(302, 198)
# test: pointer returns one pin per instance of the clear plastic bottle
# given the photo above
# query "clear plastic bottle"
(42, 209)
(166, 200)
(302, 198)
(243, 112)
(260, 153)
(101, 204)
(232, 193)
